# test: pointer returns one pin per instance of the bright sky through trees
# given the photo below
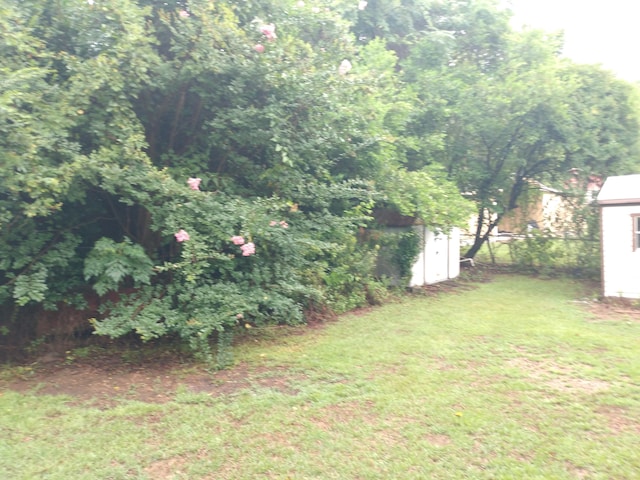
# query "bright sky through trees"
(596, 31)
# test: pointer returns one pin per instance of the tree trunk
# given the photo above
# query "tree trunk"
(480, 237)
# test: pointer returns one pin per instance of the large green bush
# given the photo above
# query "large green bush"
(128, 122)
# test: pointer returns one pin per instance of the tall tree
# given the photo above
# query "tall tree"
(526, 118)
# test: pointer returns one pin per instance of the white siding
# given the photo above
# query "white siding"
(454, 253)
(417, 271)
(436, 252)
(620, 263)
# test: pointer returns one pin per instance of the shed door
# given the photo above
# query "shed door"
(436, 258)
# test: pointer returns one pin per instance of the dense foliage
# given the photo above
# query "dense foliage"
(200, 166)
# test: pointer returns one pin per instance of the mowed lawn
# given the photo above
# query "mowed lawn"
(514, 378)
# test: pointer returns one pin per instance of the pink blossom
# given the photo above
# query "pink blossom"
(248, 249)
(194, 183)
(181, 236)
(184, 14)
(259, 48)
(269, 31)
(282, 223)
(345, 67)
(237, 240)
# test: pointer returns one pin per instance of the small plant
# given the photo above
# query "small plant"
(535, 252)
(397, 253)
(406, 251)
(23, 372)
(35, 345)
(81, 353)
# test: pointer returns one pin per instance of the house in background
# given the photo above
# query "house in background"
(541, 207)
(550, 209)
(619, 202)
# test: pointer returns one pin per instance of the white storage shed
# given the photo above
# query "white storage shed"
(619, 201)
(439, 253)
(439, 258)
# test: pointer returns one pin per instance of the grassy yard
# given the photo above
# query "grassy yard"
(516, 378)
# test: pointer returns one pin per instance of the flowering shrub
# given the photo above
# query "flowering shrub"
(208, 287)
(203, 289)
(102, 138)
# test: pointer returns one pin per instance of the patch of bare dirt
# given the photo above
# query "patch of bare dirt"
(559, 377)
(448, 287)
(174, 466)
(576, 471)
(155, 381)
(620, 420)
(614, 309)
(345, 412)
(438, 440)
(104, 375)
(167, 468)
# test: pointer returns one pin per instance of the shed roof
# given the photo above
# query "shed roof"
(620, 190)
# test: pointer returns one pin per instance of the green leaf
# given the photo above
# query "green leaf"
(30, 287)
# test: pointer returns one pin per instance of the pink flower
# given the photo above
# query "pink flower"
(237, 240)
(269, 31)
(181, 236)
(194, 183)
(282, 223)
(183, 14)
(259, 48)
(344, 67)
(248, 249)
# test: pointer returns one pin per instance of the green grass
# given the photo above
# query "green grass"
(509, 380)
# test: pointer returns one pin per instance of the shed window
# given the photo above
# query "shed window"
(636, 232)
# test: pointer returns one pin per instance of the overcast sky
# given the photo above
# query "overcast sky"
(605, 32)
